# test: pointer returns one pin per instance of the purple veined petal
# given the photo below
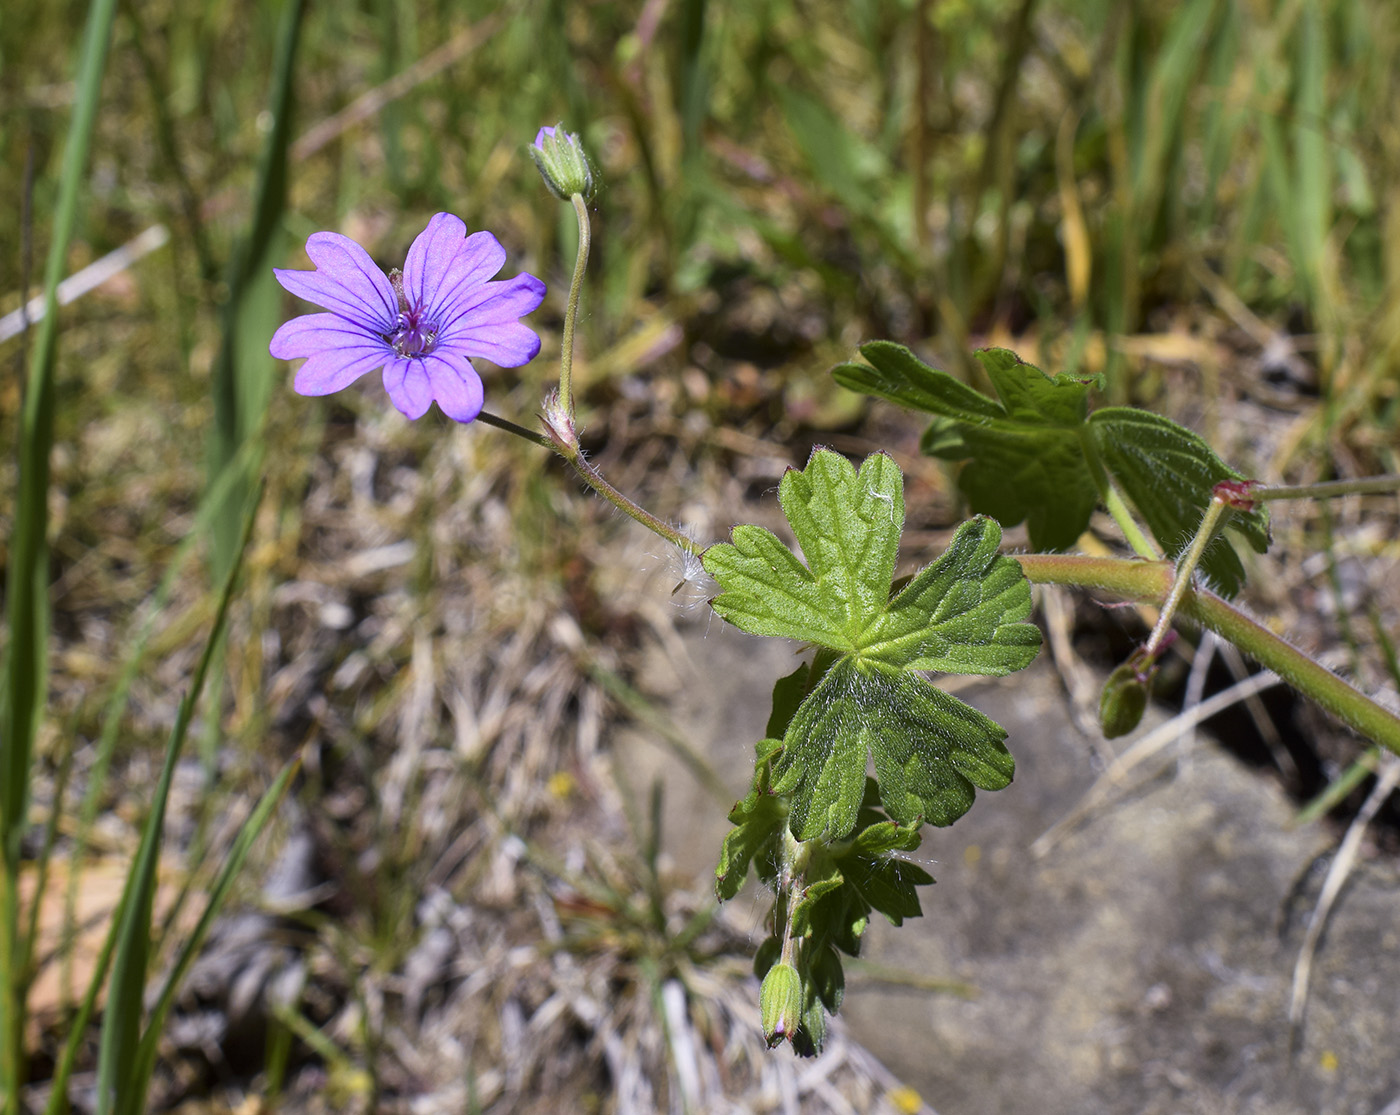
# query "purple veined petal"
(333, 370)
(408, 385)
(456, 386)
(430, 259)
(543, 134)
(346, 281)
(478, 259)
(495, 304)
(322, 291)
(344, 261)
(314, 333)
(507, 345)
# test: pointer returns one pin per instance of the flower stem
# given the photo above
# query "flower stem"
(561, 434)
(1184, 570)
(1338, 697)
(512, 428)
(1368, 485)
(571, 452)
(594, 479)
(566, 346)
(1150, 582)
(794, 863)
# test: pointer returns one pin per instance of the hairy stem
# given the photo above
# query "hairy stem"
(794, 863)
(561, 433)
(594, 479)
(1368, 485)
(1151, 581)
(1113, 501)
(565, 443)
(1185, 568)
(511, 428)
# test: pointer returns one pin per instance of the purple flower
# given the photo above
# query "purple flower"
(422, 326)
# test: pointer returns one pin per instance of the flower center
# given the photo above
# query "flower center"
(411, 335)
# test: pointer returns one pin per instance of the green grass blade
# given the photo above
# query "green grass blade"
(26, 666)
(693, 83)
(1337, 790)
(122, 1018)
(1221, 122)
(58, 1088)
(1312, 163)
(30, 937)
(136, 642)
(252, 828)
(242, 375)
(58, 1099)
(1175, 72)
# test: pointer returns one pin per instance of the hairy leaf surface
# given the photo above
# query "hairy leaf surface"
(1036, 455)
(965, 613)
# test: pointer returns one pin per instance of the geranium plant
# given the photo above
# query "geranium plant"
(822, 835)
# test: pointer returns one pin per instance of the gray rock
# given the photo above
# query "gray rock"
(1142, 965)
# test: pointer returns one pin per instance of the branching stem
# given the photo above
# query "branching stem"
(1151, 582)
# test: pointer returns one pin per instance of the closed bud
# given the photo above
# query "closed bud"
(780, 1003)
(1124, 699)
(562, 164)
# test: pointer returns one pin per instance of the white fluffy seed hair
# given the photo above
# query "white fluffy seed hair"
(693, 586)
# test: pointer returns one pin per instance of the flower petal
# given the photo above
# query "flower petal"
(478, 258)
(507, 345)
(329, 372)
(456, 386)
(340, 352)
(495, 304)
(408, 385)
(314, 333)
(346, 281)
(430, 258)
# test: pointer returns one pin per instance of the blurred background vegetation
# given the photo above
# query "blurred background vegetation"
(1196, 199)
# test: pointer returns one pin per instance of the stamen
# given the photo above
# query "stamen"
(412, 337)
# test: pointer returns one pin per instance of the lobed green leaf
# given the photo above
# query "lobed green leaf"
(963, 614)
(1035, 455)
(847, 525)
(1170, 473)
(1026, 460)
(863, 696)
(758, 819)
(930, 751)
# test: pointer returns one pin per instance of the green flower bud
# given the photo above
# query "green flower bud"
(780, 1003)
(1124, 699)
(562, 164)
